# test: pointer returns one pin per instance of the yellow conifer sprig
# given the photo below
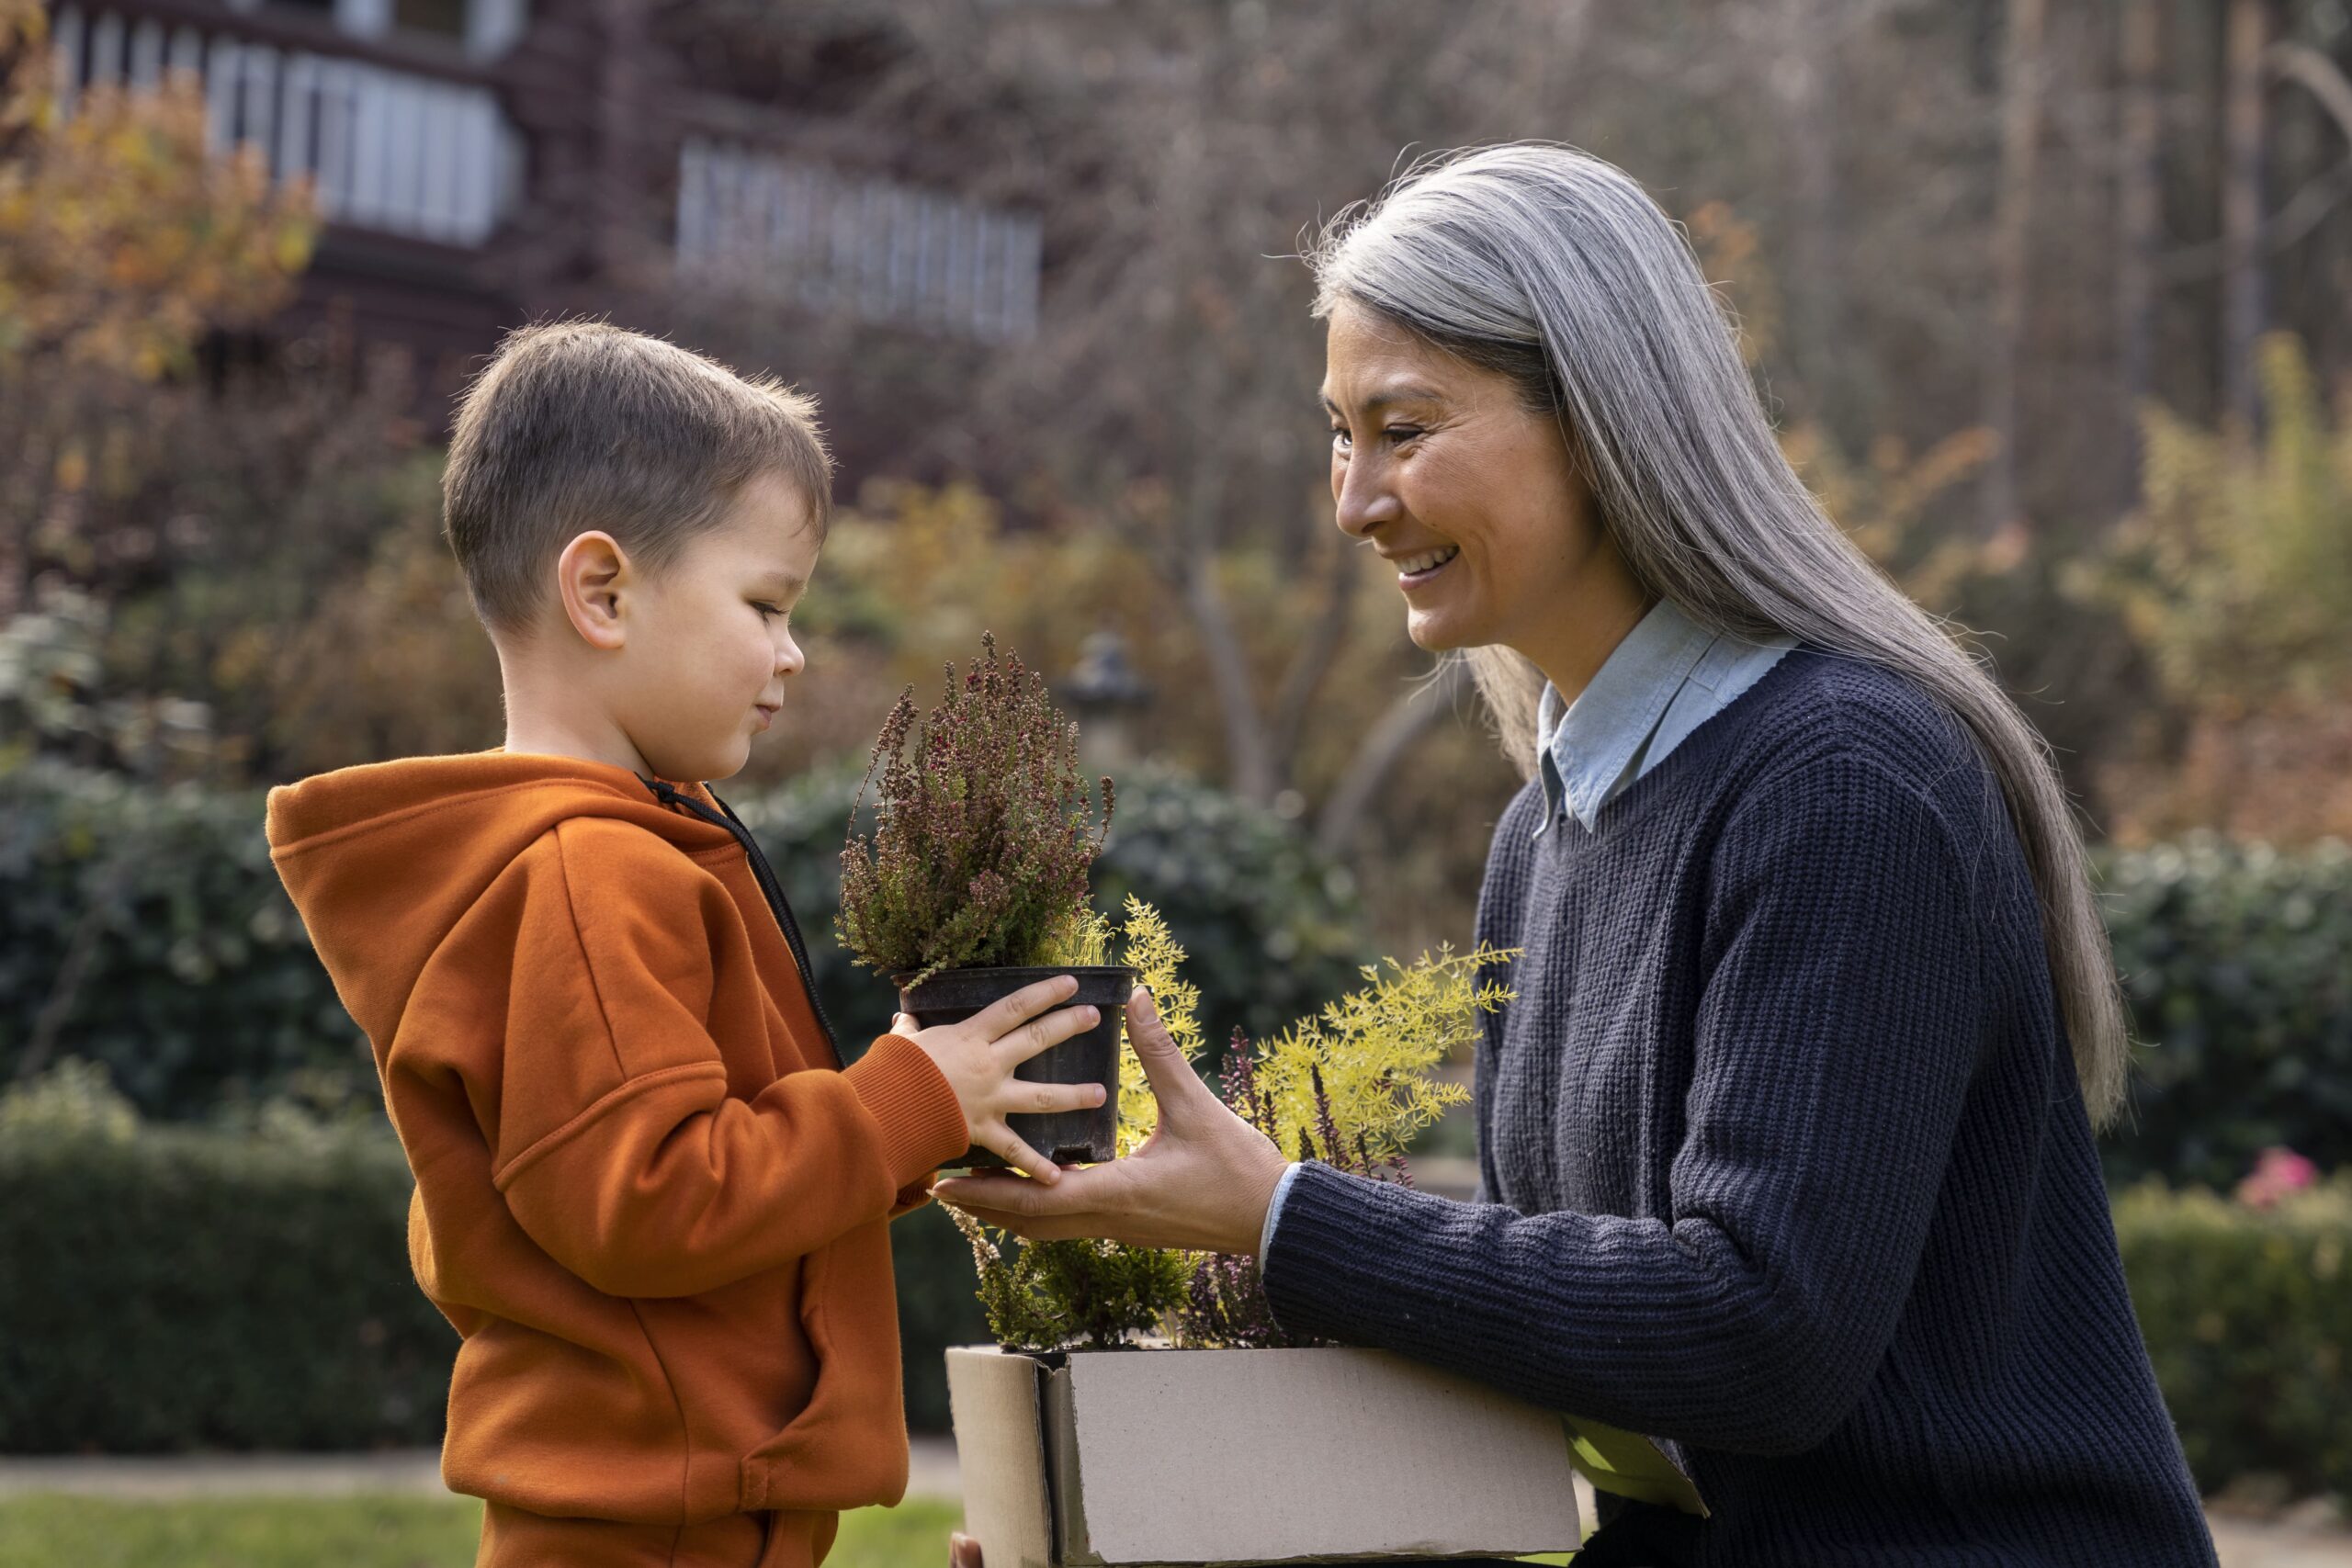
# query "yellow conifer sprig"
(1376, 1049)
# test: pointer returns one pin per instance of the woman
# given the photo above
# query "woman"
(1785, 1140)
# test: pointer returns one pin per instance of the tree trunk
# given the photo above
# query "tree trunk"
(2247, 34)
(2012, 252)
(1389, 741)
(1831, 377)
(1248, 755)
(2138, 204)
(1334, 570)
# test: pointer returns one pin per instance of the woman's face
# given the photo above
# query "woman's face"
(1438, 464)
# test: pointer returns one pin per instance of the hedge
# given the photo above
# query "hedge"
(143, 928)
(177, 1287)
(174, 1287)
(2237, 960)
(183, 1287)
(146, 926)
(2248, 1319)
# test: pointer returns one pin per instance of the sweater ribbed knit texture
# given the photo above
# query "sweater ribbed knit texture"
(1784, 1163)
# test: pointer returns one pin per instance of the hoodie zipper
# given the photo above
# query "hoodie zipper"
(770, 889)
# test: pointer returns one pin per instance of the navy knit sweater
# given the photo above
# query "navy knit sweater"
(1786, 1163)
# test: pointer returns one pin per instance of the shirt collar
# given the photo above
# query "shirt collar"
(1581, 754)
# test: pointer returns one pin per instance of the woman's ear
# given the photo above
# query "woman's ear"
(592, 579)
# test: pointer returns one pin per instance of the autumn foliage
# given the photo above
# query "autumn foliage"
(123, 237)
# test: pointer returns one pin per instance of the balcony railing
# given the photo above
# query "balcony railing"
(878, 250)
(390, 150)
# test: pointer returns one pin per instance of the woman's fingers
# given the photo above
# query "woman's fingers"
(1088, 1190)
(1173, 1083)
(963, 1551)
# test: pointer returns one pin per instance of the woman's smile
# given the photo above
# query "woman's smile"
(1419, 570)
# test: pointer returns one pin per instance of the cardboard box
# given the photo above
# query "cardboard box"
(1124, 1459)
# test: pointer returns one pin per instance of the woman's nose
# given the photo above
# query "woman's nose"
(1365, 499)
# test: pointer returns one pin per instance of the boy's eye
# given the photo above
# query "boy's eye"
(765, 609)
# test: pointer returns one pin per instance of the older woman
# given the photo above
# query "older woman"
(1785, 1141)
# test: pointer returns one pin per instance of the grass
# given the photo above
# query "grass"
(52, 1531)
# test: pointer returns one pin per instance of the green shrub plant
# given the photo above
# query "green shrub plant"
(2247, 1313)
(1349, 1086)
(178, 1287)
(2234, 959)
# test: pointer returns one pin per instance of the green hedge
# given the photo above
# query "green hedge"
(181, 1287)
(174, 1287)
(2238, 962)
(196, 983)
(2248, 1319)
(178, 1287)
(144, 928)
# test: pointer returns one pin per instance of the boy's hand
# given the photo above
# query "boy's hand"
(977, 1055)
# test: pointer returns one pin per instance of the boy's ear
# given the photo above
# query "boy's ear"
(592, 576)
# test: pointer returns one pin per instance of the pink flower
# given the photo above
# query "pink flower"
(2277, 1172)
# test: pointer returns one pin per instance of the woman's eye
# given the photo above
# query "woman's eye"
(1401, 433)
(1339, 438)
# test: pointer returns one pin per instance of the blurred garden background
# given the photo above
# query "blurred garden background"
(2053, 304)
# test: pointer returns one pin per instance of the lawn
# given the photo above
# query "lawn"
(352, 1532)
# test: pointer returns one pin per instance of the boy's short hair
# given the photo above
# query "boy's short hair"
(578, 425)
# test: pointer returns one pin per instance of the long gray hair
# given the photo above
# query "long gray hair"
(1558, 270)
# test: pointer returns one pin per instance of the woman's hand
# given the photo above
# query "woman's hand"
(1201, 1181)
(963, 1551)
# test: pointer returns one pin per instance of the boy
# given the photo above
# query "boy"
(649, 1196)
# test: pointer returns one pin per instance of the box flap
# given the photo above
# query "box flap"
(1001, 1452)
(1630, 1465)
(1297, 1456)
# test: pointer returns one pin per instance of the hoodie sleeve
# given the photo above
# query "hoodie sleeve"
(617, 1145)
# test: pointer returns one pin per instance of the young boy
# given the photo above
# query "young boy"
(649, 1196)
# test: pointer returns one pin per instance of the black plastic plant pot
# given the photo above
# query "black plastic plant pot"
(1063, 1136)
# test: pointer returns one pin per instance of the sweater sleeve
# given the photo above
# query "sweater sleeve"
(618, 1146)
(1837, 1031)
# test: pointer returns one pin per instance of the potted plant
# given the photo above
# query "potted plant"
(1228, 1440)
(973, 881)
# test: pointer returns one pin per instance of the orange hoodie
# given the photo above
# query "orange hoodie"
(647, 1196)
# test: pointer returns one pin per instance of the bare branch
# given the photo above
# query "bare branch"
(1389, 742)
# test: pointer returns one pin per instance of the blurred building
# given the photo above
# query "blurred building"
(483, 162)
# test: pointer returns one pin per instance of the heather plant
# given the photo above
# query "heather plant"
(983, 833)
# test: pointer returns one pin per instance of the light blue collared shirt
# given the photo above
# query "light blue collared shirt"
(1667, 678)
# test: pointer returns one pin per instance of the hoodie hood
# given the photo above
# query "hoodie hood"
(383, 861)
